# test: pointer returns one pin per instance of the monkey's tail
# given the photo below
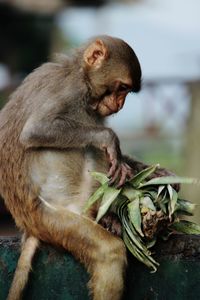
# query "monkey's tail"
(29, 247)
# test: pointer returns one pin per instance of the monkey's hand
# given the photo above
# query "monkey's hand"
(119, 170)
(111, 223)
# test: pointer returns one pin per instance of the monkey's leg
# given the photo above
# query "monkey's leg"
(30, 244)
(103, 254)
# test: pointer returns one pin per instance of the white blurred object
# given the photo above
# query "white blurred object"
(164, 34)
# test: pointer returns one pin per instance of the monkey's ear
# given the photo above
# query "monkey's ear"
(95, 54)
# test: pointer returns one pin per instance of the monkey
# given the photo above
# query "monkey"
(52, 134)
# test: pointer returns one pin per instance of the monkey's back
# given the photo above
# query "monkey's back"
(13, 171)
(15, 186)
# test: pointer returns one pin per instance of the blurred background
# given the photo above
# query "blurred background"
(161, 124)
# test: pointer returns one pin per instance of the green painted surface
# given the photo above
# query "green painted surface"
(57, 276)
(174, 280)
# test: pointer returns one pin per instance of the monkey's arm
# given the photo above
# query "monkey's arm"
(56, 130)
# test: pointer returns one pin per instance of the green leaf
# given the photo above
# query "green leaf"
(169, 180)
(130, 230)
(147, 202)
(100, 177)
(127, 227)
(95, 197)
(110, 194)
(141, 176)
(139, 255)
(135, 215)
(152, 193)
(121, 207)
(172, 201)
(134, 237)
(162, 201)
(170, 191)
(185, 227)
(132, 247)
(160, 189)
(163, 208)
(185, 206)
(164, 198)
(130, 193)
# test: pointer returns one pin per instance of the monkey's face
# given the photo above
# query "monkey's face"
(113, 99)
(112, 74)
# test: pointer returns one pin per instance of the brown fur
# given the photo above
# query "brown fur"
(29, 246)
(51, 136)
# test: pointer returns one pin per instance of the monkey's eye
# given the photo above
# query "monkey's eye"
(123, 88)
(108, 92)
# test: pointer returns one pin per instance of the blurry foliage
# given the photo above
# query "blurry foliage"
(25, 43)
(25, 39)
(152, 150)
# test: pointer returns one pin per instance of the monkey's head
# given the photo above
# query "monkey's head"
(113, 70)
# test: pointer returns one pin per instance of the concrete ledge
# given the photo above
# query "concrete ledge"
(57, 276)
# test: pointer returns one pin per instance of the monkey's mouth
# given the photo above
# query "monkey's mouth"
(111, 110)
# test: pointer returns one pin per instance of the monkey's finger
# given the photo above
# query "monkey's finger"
(123, 176)
(130, 174)
(115, 176)
(129, 171)
(113, 168)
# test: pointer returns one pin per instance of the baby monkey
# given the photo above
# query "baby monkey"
(52, 134)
